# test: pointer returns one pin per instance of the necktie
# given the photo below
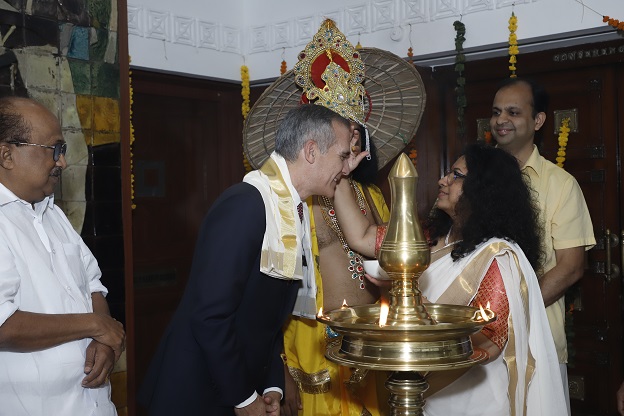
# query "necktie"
(300, 211)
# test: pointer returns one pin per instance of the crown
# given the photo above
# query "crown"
(330, 72)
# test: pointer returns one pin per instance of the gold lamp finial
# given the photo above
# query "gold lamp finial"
(404, 252)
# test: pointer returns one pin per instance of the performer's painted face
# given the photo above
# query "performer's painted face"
(450, 187)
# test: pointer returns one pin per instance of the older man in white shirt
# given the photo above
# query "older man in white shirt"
(58, 342)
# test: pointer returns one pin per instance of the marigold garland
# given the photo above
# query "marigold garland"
(460, 60)
(413, 155)
(564, 131)
(245, 105)
(283, 68)
(245, 90)
(513, 44)
(410, 50)
(613, 22)
(487, 137)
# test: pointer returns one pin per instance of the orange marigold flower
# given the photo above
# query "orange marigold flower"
(487, 136)
(605, 19)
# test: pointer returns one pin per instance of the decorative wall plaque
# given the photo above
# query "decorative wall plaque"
(561, 114)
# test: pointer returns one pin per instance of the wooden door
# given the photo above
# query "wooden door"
(187, 151)
(592, 91)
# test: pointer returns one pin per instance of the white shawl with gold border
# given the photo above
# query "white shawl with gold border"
(525, 379)
(286, 239)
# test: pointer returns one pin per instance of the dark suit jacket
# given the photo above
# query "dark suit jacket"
(226, 336)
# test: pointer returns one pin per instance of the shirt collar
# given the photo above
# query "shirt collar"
(533, 161)
(6, 197)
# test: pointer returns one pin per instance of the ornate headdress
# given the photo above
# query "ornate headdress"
(330, 72)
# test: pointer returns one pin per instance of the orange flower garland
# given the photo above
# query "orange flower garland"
(413, 155)
(283, 67)
(410, 50)
(613, 22)
(564, 131)
(513, 44)
(487, 137)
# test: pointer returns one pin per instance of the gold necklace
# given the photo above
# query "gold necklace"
(356, 267)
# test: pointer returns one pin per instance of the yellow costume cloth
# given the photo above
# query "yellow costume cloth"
(305, 343)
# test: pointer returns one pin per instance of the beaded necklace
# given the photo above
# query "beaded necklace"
(356, 267)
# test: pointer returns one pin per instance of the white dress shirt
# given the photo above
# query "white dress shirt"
(45, 267)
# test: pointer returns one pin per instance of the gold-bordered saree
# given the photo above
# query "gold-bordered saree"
(525, 379)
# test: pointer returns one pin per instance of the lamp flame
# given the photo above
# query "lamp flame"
(383, 313)
(320, 312)
(344, 304)
(484, 314)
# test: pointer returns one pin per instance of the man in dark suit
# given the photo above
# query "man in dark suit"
(221, 353)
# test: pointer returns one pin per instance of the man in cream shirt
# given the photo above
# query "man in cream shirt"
(518, 111)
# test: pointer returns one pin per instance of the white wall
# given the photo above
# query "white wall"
(214, 37)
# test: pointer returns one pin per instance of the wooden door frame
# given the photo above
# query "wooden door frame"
(126, 195)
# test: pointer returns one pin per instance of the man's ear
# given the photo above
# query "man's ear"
(310, 151)
(6, 157)
(540, 119)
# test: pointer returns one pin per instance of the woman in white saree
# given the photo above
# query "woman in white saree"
(484, 241)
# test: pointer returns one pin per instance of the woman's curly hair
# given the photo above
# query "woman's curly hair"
(496, 201)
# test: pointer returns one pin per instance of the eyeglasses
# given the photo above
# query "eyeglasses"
(454, 174)
(59, 148)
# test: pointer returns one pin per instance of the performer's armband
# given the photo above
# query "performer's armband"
(381, 233)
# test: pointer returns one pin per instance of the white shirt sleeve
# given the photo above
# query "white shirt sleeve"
(247, 402)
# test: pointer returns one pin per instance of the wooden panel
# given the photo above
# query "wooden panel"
(187, 151)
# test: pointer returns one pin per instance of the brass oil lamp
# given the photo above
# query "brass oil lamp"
(415, 337)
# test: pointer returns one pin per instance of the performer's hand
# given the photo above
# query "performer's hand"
(99, 363)
(292, 401)
(356, 155)
(272, 401)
